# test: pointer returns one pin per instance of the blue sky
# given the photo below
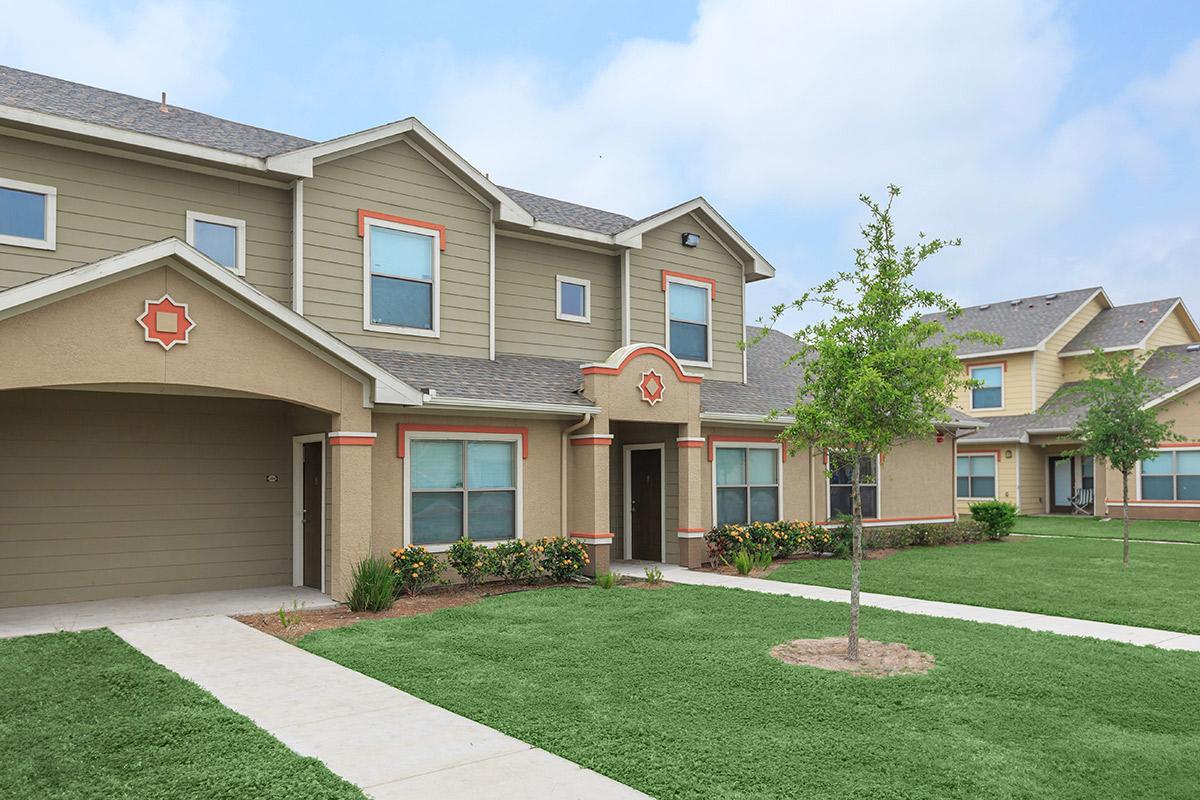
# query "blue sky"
(1059, 140)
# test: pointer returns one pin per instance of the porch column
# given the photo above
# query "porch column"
(588, 491)
(690, 527)
(350, 445)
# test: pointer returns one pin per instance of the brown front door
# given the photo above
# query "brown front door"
(645, 504)
(1062, 483)
(311, 512)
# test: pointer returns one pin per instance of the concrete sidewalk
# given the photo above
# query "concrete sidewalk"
(390, 744)
(1067, 626)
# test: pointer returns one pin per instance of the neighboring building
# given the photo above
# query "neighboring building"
(233, 357)
(1019, 457)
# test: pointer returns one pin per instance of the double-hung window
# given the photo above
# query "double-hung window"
(747, 484)
(28, 214)
(223, 239)
(463, 487)
(400, 266)
(573, 299)
(840, 486)
(689, 320)
(1172, 475)
(975, 476)
(989, 393)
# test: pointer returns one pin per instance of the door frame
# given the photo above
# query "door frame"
(626, 531)
(1050, 481)
(298, 443)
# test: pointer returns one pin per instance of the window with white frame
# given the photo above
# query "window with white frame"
(1172, 475)
(573, 299)
(223, 239)
(989, 393)
(689, 315)
(747, 484)
(28, 214)
(840, 486)
(975, 476)
(400, 277)
(462, 487)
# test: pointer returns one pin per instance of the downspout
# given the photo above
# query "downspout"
(562, 472)
(812, 486)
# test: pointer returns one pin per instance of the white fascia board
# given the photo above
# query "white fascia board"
(1022, 439)
(146, 141)
(555, 229)
(515, 406)
(1187, 387)
(992, 353)
(386, 385)
(1073, 353)
(745, 419)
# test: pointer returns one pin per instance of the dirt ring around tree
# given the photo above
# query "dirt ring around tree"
(875, 659)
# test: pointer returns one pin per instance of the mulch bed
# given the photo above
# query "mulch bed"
(875, 659)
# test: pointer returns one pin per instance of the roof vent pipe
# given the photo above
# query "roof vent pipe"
(1051, 297)
(163, 105)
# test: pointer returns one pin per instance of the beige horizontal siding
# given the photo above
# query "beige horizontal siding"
(661, 249)
(394, 179)
(1018, 385)
(526, 322)
(1171, 331)
(108, 205)
(106, 495)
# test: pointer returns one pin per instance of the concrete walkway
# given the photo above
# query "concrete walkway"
(1067, 626)
(390, 744)
(29, 620)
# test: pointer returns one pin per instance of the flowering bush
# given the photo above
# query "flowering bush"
(560, 557)
(416, 568)
(778, 539)
(515, 561)
(471, 561)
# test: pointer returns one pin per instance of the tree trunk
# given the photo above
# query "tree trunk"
(855, 555)
(1125, 518)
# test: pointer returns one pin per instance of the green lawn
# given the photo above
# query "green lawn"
(673, 692)
(1065, 577)
(1166, 530)
(84, 715)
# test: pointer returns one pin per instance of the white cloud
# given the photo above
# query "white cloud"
(141, 49)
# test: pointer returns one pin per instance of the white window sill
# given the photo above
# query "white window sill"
(570, 318)
(21, 241)
(443, 548)
(701, 364)
(399, 331)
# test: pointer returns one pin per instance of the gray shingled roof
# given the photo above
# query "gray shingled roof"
(1121, 326)
(35, 92)
(1022, 323)
(771, 383)
(560, 212)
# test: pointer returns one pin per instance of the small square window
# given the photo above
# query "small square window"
(222, 239)
(27, 214)
(573, 302)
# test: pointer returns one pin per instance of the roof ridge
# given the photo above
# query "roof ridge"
(567, 202)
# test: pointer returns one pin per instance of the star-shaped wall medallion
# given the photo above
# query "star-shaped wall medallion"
(166, 322)
(651, 387)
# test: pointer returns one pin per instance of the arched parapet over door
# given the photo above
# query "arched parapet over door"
(643, 383)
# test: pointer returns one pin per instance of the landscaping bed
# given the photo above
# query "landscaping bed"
(676, 693)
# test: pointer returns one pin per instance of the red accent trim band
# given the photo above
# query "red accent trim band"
(355, 440)
(403, 428)
(600, 441)
(1117, 501)
(1001, 363)
(667, 273)
(691, 530)
(579, 535)
(641, 351)
(689, 444)
(364, 215)
(712, 440)
(892, 519)
(1178, 444)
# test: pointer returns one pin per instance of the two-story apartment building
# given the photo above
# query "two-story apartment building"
(231, 357)
(1019, 457)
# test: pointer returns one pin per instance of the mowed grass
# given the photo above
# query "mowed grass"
(1080, 578)
(673, 691)
(84, 715)
(1165, 530)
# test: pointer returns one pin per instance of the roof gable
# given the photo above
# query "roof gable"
(1023, 324)
(1121, 327)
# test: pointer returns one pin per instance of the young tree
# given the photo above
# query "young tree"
(875, 373)
(1117, 427)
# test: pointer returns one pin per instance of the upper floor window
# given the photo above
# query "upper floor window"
(975, 476)
(747, 484)
(990, 391)
(28, 214)
(463, 487)
(400, 280)
(840, 486)
(689, 316)
(1172, 475)
(223, 239)
(573, 299)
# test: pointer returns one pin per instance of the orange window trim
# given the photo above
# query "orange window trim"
(364, 215)
(403, 428)
(641, 351)
(1178, 444)
(668, 273)
(712, 442)
(893, 519)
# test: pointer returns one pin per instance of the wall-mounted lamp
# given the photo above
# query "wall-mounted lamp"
(690, 239)
(1008, 453)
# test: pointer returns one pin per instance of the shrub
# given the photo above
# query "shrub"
(515, 561)
(997, 517)
(654, 575)
(777, 539)
(929, 535)
(743, 561)
(607, 580)
(840, 539)
(373, 585)
(416, 568)
(473, 562)
(560, 557)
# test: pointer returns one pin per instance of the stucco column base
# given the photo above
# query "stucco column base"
(599, 559)
(692, 552)
(349, 514)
